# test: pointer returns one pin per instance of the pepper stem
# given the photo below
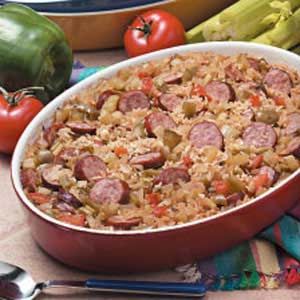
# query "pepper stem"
(15, 97)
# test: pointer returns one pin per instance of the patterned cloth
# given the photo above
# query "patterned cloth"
(267, 261)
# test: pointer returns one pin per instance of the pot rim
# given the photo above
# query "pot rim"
(217, 47)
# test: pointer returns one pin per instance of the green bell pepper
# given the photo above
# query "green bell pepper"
(33, 51)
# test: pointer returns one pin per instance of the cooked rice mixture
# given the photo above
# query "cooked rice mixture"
(167, 142)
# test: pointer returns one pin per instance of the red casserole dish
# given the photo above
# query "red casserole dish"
(155, 249)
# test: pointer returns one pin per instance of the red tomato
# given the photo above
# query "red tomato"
(14, 118)
(153, 30)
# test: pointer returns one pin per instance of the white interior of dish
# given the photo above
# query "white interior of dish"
(272, 54)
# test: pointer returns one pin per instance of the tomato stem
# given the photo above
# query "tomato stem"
(14, 98)
(146, 28)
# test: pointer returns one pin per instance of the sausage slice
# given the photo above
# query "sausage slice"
(120, 222)
(169, 101)
(293, 147)
(65, 154)
(220, 91)
(235, 197)
(206, 134)
(156, 119)
(149, 160)
(277, 80)
(259, 134)
(50, 176)
(29, 179)
(81, 128)
(271, 173)
(50, 133)
(293, 124)
(172, 175)
(110, 190)
(173, 78)
(68, 198)
(89, 168)
(133, 100)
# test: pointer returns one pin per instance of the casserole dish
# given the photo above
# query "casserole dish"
(153, 249)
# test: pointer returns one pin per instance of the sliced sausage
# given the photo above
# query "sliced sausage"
(293, 148)
(50, 133)
(293, 123)
(133, 100)
(156, 119)
(169, 101)
(173, 78)
(248, 114)
(103, 97)
(50, 176)
(149, 160)
(220, 91)
(277, 80)
(110, 190)
(259, 134)
(89, 167)
(206, 134)
(232, 72)
(82, 128)
(65, 154)
(68, 198)
(29, 179)
(120, 222)
(235, 197)
(172, 175)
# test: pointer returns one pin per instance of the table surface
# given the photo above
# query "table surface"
(18, 247)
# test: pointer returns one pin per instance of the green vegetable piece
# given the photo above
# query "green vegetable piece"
(267, 116)
(189, 109)
(33, 52)
(235, 185)
(189, 73)
(171, 138)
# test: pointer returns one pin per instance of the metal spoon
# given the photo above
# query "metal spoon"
(16, 283)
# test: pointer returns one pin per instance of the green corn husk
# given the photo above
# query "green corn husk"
(243, 20)
(286, 34)
(296, 49)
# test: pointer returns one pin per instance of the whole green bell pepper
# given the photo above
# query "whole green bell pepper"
(33, 51)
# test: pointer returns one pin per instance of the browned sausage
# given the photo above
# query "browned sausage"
(172, 175)
(50, 133)
(68, 198)
(156, 119)
(277, 80)
(149, 160)
(89, 167)
(120, 222)
(206, 134)
(234, 73)
(293, 147)
(173, 78)
(65, 154)
(169, 101)
(29, 179)
(103, 97)
(259, 134)
(133, 100)
(110, 190)
(293, 123)
(220, 91)
(50, 176)
(235, 197)
(81, 127)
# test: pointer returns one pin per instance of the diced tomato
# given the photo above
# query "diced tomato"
(160, 211)
(39, 198)
(255, 101)
(222, 187)
(261, 180)
(77, 220)
(199, 90)
(257, 161)
(142, 75)
(120, 151)
(279, 101)
(187, 161)
(147, 84)
(153, 198)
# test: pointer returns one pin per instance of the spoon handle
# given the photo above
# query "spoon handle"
(147, 287)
